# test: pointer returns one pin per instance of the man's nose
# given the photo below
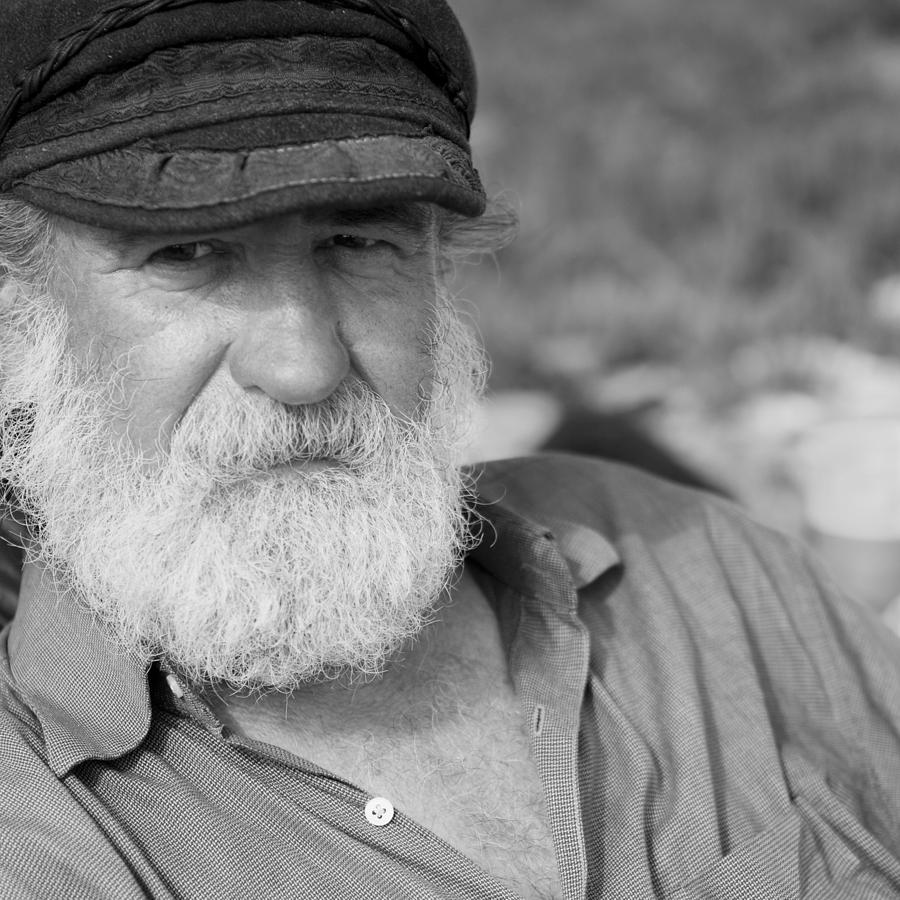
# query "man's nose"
(291, 351)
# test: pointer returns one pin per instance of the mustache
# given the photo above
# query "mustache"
(230, 437)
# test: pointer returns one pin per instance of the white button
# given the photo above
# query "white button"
(379, 811)
(174, 686)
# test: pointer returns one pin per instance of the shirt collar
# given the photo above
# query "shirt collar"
(55, 643)
(527, 502)
(90, 697)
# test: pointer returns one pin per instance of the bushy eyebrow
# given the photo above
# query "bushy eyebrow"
(409, 218)
(123, 241)
(412, 217)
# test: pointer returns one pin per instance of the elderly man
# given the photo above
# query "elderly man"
(270, 641)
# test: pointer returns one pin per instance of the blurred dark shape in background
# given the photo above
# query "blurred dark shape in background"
(620, 436)
(874, 16)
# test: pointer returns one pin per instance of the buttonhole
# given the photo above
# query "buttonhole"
(537, 723)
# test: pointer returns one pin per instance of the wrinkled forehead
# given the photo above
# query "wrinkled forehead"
(417, 222)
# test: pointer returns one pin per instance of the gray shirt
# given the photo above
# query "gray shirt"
(708, 717)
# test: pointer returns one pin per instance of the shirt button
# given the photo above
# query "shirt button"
(379, 811)
(175, 686)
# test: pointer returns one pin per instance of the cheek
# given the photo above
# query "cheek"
(389, 344)
(161, 365)
(165, 373)
(108, 321)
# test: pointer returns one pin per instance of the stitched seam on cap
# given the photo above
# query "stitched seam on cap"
(433, 143)
(276, 148)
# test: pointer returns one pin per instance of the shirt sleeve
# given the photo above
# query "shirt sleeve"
(830, 671)
(742, 737)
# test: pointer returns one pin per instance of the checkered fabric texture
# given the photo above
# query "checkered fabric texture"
(710, 721)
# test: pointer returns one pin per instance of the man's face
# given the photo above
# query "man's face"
(288, 308)
(243, 442)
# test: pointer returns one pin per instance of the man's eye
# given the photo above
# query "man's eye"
(352, 242)
(183, 253)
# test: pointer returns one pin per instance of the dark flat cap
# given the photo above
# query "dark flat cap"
(182, 115)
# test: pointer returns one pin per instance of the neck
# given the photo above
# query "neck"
(416, 689)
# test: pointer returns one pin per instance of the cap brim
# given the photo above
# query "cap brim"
(153, 190)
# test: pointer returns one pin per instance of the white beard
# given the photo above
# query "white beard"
(229, 570)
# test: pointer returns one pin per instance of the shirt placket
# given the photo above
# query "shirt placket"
(549, 659)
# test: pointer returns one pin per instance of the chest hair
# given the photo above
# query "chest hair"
(442, 736)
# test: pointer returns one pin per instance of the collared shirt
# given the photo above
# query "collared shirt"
(708, 719)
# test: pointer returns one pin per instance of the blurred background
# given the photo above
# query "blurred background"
(707, 280)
